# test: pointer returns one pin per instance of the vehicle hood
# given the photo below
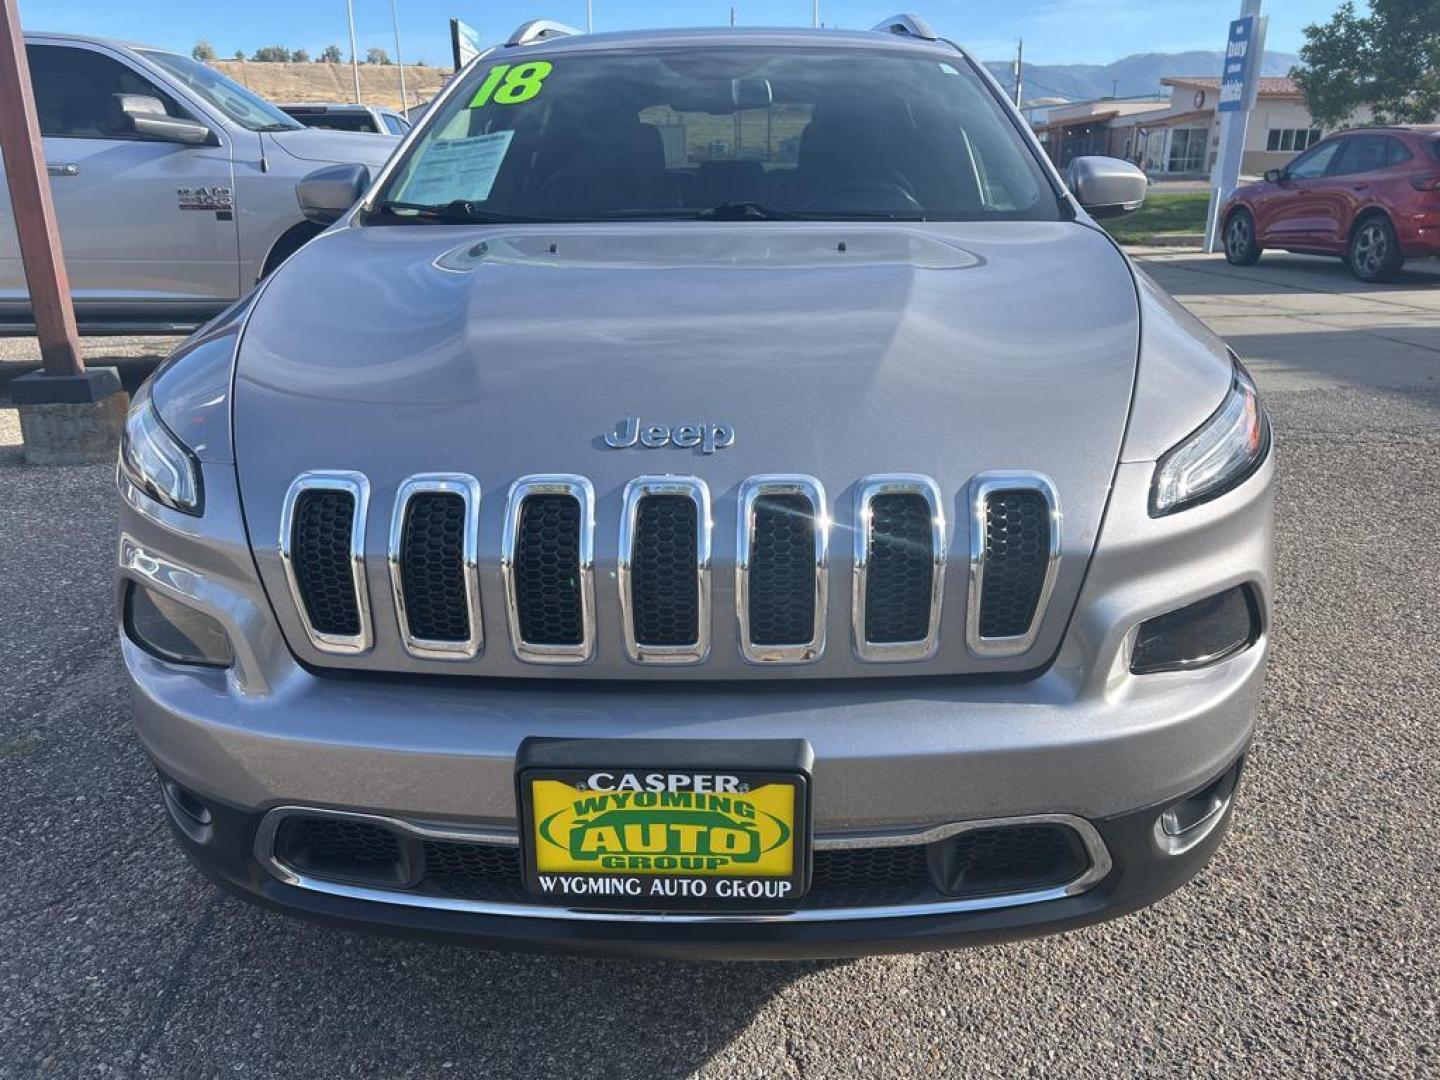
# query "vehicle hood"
(336, 147)
(836, 351)
(1255, 187)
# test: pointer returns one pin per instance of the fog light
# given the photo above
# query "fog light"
(174, 631)
(1185, 823)
(1198, 634)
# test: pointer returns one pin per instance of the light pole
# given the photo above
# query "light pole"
(815, 13)
(589, 17)
(399, 56)
(354, 59)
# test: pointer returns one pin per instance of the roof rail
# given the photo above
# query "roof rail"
(538, 30)
(906, 26)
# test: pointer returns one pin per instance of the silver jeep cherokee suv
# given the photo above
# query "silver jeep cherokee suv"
(716, 493)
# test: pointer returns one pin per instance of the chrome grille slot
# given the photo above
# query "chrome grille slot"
(547, 563)
(665, 569)
(322, 548)
(1014, 556)
(434, 566)
(899, 572)
(781, 572)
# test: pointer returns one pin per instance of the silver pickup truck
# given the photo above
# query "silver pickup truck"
(173, 185)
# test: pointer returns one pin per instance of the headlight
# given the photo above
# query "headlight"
(1221, 453)
(157, 462)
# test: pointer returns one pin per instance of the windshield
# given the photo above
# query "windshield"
(244, 107)
(721, 131)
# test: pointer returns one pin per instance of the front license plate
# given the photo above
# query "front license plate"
(664, 840)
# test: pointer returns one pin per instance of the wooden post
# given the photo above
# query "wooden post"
(24, 157)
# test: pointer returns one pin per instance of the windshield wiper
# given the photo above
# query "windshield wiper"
(455, 212)
(280, 127)
(738, 211)
(860, 215)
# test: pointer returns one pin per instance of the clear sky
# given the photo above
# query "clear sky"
(1055, 31)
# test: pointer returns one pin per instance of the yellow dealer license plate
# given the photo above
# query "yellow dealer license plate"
(665, 840)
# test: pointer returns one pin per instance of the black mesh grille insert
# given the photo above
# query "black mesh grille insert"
(1011, 858)
(1017, 546)
(664, 585)
(471, 861)
(782, 571)
(320, 551)
(898, 580)
(432, 567)
(343, 849)
(1001, 859)
(547, 571)
(906, 864)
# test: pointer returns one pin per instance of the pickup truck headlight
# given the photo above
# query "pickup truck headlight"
(157, 462)
(1218, 455)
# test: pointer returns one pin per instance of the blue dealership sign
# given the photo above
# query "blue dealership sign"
(1238, 58)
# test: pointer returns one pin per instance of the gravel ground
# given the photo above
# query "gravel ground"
(1309, 946)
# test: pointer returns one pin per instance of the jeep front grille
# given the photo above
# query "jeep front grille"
(434, 566)
(663, 567)
(1015, 550)
(322, 546)
(547, 565)
(899, 574)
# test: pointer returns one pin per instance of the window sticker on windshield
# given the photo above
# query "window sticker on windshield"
(451, 169)
(947, 69)
(507, 85)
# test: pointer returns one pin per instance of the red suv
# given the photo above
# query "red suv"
(1370, 195)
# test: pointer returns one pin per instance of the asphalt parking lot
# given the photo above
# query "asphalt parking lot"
(1311, 945)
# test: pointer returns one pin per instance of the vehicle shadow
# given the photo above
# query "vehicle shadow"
(431, 1010)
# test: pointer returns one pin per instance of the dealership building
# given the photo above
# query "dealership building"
(1178, 135)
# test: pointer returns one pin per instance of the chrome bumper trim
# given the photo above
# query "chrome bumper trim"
(1100, 866)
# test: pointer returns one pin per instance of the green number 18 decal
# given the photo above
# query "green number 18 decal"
(507, 85)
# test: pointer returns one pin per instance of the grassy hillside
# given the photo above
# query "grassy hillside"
(379, 83)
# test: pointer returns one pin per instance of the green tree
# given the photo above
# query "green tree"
(331, 55)
(300, 56)
(271, 54)
(377, 56)
(1388, 59)
(203, 50)
(239, 54)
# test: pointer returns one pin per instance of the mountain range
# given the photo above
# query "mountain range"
(1130, 77)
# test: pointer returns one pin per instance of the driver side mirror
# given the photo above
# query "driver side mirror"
(1106, 186)
(1274, 176)
(327, 193)
(145, 115)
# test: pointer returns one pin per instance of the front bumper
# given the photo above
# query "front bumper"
(1085, 738)
(1140, 873)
